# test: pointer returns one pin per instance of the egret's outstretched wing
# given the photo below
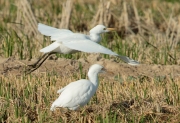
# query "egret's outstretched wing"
(87, 46)
(53, 32)
(92, 47)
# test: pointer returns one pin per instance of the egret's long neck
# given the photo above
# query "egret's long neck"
(93, 77)
(95, 37)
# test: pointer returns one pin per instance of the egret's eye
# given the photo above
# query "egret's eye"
(104, 29)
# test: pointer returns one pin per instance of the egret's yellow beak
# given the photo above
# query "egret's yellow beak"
(111, 29)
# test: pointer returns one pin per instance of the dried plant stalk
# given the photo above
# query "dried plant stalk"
(66, 14)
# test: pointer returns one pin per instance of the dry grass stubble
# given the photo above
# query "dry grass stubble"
(29, 98)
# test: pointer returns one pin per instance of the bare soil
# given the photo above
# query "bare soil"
(67, 67)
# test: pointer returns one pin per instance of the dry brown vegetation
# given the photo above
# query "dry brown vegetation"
(148, 31)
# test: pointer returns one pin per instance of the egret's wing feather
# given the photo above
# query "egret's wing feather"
(50, 48)
(128, 60)
(92, 47)
(53, 32)
(62, 89)
(70, 98)
(72, 37)
(87, 46)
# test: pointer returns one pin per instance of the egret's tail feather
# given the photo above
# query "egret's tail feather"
(53, 107)
(128, 60)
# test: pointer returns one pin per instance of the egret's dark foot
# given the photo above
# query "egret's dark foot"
(29, 69)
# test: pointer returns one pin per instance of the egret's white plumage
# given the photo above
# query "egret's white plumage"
(68, 42)
(78, 93)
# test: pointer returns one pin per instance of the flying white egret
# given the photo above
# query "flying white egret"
(68, 42)
(78, 93)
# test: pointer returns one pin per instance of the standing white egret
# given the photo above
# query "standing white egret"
(68, 42)
(78, 93)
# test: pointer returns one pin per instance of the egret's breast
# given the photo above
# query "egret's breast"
(95, 38)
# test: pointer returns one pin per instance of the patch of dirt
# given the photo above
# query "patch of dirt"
(65, 67)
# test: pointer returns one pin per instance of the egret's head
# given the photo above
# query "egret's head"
(96, 68)
(101, 29)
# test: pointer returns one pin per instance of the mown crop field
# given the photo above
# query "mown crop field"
(147, 31)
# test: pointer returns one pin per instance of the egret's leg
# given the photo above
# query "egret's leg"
(34, 64)
(29, 67)
(39, 63)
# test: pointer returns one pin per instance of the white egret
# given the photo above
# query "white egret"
(78, 93)
(68, 42)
